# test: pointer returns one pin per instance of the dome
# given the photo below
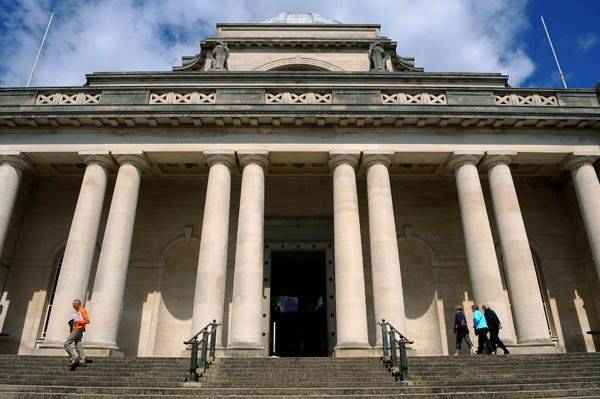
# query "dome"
(298, 18)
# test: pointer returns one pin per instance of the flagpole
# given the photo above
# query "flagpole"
(562, 77)
(40, 50)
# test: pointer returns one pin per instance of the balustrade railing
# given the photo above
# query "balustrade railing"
(394, 350)
(206, 345)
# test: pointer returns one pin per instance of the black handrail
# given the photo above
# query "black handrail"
(393, 342)
(207, 351)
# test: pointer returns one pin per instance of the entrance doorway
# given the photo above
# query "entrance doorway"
(298, 305)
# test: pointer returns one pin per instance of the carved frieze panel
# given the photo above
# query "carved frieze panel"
(182, 98)
(67, 98)
(532, 100)
(298, 98)
(414, 98)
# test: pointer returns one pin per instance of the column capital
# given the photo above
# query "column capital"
(458, 160)
(103, 160)
(576, 161)
(374, 159)
(261, 160)
(137, 160)
(338, 159)
(494, 160)
(16, 161)
(224, 159)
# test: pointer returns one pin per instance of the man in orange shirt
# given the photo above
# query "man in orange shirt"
(79, 320)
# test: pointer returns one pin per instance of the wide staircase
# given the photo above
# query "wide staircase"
(514, 376)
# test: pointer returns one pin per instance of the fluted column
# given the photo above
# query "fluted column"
(246, 316)
(385, 262)
(526, 299)
(350, 299)
(585, 181)
(11, 170)
(109, 284)
(484, 272)
(81, 245)
(209, 297)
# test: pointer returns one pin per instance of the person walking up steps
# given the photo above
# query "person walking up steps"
(461, 329)
(77, 323)
(481, 330)
(494, 326)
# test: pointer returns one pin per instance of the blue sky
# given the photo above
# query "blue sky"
(443, 35)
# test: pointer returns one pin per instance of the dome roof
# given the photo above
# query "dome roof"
(298, 18)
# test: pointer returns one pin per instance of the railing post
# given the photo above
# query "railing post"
(384, 339)
(193, 360)
(213, 340)
(204, 347)
(392, 348)
(403, 359)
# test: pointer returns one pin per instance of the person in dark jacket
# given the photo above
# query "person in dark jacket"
(461, 329)
(494, 326)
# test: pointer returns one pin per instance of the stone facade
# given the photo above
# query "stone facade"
(163, 196)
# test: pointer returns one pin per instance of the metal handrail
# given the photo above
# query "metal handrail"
(393, 342)
(207, 346)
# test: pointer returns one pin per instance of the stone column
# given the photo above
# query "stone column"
(81, 245)
(209, 298)
(385, 261)
(484, 272)
(350, 298)
(245, 338)
(585, 181)
(525, 295)
(109, 284)
(11, 170)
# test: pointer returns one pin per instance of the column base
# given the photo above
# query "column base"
(352, 349)
(244, 350)
(534, 347)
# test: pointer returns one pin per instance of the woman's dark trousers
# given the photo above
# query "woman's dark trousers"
(460, 335)
(483, 341)
(496, 341)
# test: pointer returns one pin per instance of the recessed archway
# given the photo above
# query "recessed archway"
(299, 64)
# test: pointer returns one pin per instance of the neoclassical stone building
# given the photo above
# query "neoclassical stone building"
(297, 180)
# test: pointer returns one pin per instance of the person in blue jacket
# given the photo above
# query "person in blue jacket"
(481, 330)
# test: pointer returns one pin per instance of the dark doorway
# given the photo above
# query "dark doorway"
(298, 303)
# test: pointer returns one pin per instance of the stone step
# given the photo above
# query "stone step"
(463, 395)
(302, 391)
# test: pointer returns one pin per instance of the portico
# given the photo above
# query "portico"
(402, 192)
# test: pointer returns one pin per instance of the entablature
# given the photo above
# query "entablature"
(413, 106)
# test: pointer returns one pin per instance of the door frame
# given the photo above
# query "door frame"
(329, 287)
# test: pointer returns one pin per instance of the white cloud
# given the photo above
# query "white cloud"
(586, 41)
(129, 35)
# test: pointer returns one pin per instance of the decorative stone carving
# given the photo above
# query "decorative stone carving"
(67, 99)
(298, 98)
(414, 98)
(533, 100)
(219, 57)
(182, 98)
(377, 57)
